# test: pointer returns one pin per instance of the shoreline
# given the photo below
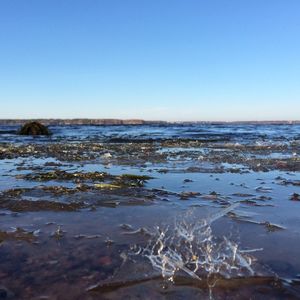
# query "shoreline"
(138, 122)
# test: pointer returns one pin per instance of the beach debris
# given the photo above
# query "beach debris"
(142, 231)
(109, 242)
(107, 155)
(263, 189)
(87, 236)
(107, 186)
(190, 247)
(58, 233)
(127, 227)
(268, 225)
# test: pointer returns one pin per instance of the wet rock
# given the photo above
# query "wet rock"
(290, 182)
(253, 202)
(187, 180)
(53, 164)
(249, 202)
(38, 205)
(187, 195)
(295, 197)
(279, 178)
(242, 195)
(272, 227)
(163, 171)
(34, 128)
(5, 293)
(193, 170)
(18, 234)
(263, 198)
(109, 203)
(210, 197)
(133, 180)
(234, 170)
(213, 193)
(63, 175)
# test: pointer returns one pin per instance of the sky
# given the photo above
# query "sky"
(174, 60)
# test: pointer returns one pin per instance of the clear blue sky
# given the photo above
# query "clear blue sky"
(150, 59)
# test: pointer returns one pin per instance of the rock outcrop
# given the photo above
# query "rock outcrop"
(34, 128)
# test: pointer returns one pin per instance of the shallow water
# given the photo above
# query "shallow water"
(241, 133)
(217, 216)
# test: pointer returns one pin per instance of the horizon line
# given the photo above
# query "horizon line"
(148, 120)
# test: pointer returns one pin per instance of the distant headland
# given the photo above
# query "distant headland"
(80, 121)
(86, 121)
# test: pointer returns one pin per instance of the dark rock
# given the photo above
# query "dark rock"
(34, 128)
(187, 195)
(3, 293)
(295, 197)
(213, 193)
(187, 180)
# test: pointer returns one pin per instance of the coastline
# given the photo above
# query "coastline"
(95, 122)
